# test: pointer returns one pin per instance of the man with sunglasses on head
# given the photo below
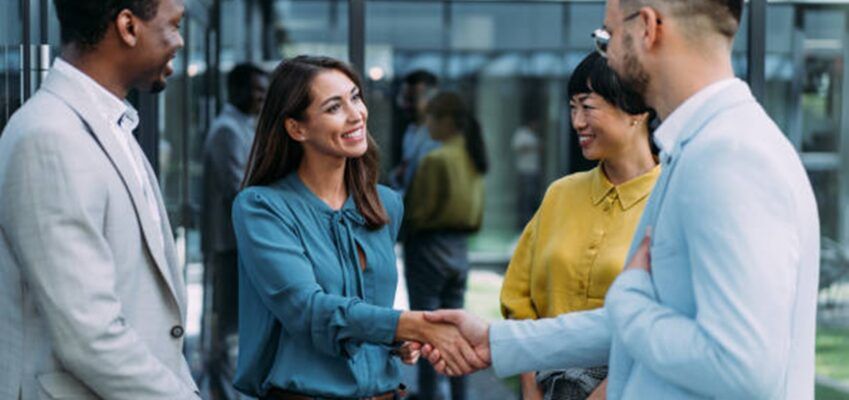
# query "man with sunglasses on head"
(718, 298)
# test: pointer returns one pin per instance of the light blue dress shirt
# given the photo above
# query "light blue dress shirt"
(729, 308)
(311, 321)
(416, 144)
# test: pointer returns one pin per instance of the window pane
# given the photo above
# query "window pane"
(310, 27)
(509, 60)
(805, 72)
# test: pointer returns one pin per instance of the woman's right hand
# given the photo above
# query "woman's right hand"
(410, 352)
(530, 387)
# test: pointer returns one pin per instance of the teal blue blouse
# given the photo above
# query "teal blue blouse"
(311, 320)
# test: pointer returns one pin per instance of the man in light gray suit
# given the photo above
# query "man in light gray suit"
(92, 299)
(225, 157)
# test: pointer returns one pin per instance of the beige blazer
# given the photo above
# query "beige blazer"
(92, 305)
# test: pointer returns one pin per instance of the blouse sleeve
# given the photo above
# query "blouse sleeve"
(516, 301)
(274, 260)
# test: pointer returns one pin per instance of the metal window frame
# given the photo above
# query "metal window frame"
(357, 25)
(756, 49)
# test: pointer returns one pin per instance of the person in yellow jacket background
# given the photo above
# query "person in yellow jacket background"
(443, 206)
(576, 243)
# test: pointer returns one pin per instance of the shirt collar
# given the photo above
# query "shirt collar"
(116, 111)
(629, 193)
(668, 134)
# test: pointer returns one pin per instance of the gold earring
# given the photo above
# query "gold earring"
(634, 122)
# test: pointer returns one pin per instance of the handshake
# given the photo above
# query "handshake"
(453, 341)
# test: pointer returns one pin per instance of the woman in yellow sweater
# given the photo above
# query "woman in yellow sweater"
(576, 243)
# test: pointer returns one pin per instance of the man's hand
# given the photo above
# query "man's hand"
(600, 392)
(530, 387)
(642, 257)
(473, 329)
(458, 355)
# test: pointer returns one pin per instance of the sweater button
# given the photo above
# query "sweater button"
(177, 331)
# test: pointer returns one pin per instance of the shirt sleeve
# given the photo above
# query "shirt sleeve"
(274, 260)
(743, 251)
(516, 301)
(573, 340)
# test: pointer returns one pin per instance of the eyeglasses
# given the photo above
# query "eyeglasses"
(601, 36)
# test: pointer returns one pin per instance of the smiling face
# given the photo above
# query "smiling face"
(334, 124)
(604, 131)
(158, 43)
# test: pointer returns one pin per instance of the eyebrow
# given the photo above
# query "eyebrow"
(581, 96)
(337, 98)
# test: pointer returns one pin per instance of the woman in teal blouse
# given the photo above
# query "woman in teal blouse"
(315, 237)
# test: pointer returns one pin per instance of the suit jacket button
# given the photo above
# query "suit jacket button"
(177, 331)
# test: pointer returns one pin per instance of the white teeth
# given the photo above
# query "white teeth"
(583, 139)
(352, 135)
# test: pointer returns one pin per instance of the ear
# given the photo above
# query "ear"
(127, 26)
(295, 130)
(652, 22)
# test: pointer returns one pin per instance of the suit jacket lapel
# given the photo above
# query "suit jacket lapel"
(74, 96)
(170, 252)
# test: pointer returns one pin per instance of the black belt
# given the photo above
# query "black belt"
(280, 394)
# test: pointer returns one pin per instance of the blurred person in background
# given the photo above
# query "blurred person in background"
(444, 205)
(225, 156)
(575, 245)
(316, 236)
(91, 288)
(527, 154)
(418, 87)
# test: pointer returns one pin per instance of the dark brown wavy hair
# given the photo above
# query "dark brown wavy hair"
(275, 154)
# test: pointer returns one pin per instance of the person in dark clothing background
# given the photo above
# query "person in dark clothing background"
(225, 155)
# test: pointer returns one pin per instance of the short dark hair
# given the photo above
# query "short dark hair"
(84, 22)
(421, 76)
(593, 75)
(239, 85)
(723, 15)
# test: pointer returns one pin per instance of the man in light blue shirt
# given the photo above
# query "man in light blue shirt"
(718, 299)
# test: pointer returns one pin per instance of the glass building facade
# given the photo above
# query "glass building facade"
(510, 60)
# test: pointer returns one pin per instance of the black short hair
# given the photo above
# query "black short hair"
(84, 22)
(239, 85)
(421, 76)
(593, 75)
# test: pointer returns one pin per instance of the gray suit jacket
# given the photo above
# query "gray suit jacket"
(225, 157)
(89, 298)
